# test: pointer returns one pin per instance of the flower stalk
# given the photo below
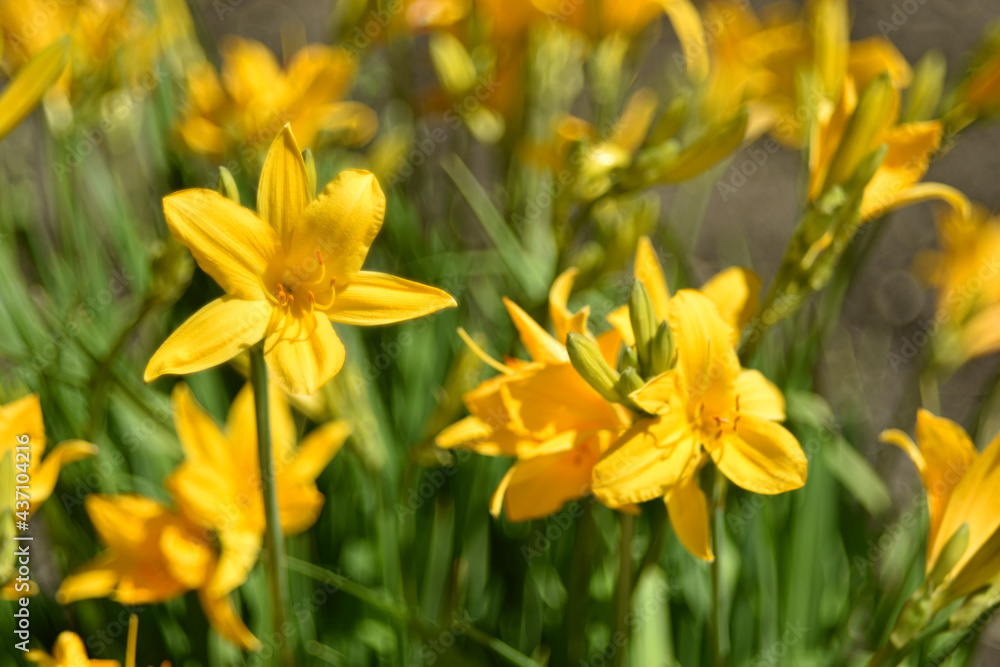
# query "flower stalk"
(274, 540)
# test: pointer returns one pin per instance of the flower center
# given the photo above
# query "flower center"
(289, 290)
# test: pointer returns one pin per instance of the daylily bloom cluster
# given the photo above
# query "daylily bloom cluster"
(288, 271)
(542, 412)
(677, 400)
(237, 113)
(156, 553)
(20, 418)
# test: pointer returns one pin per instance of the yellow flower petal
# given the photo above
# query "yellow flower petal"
(944, 455)
(476, 435)
(761, 456)
(759, 397)
(229, 242)
(540, 344)
(240, 549)
(30, 83)
(650, 272)
(97, 579)
(621, 321)
(283, 192)
(300, 504)
(341, 224)
(705, 353)
(648, 459)
(371, 298)
(686, 21)
(224, 620)
(213, 335)
(870, 57)
(689, 516)
(563, 320)
(317, 450)
(736, 293)
(199, 434)
(553, 399)
(241, 425)
(303, 353)
(540, 486)
(910, 147)
(43, 478)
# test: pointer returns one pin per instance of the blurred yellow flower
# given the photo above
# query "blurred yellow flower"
(705, 406)
(218, 486)
(30, 83)
(68, 651)
(541, 412)
(153, 555)
(963, 492)
(966, 274)
(255, 97)
(288, 271)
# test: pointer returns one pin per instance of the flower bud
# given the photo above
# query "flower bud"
(662, 350)
(588, 362)
(643, 317)
(629, 381)
(925, 92)
(871, 117)
(628, 360)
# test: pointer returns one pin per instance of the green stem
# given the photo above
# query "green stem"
(274, 541)
(403, 613)
(576, 616)
(720, 627)
(627, 530)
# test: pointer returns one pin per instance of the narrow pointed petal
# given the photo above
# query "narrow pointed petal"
(372, 298)
(540, 344)
(317, 450)
(563, 320)
(686, 21)
(30, 83)
(223, 618)
(688, 510)
(284, 191)
(496, 500)
(199, 434)
(230, 243)
(341, 224)
(303, 353)
(761, 456)
(241, 425)
(43, 478)
(212, 336)
(96, 579)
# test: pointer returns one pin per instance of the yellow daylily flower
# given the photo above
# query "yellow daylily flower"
(707, 406)
(734, 291)
(153, 554)
(255, 96)
(30, 83)
(541, 412)
(966, 274)
(288, 270)
(963, 490)
(68, 651)
(218, 484)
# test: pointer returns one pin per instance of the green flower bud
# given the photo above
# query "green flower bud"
(662, 350)
(872, 115)
(629, 381)
(588, 362)
(628, 360)
(643, 316)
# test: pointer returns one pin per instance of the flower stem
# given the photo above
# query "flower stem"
(274, 541)
(627, 527)
(720, 626)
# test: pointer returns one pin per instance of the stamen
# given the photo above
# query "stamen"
(267, 292)
(322, 272)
